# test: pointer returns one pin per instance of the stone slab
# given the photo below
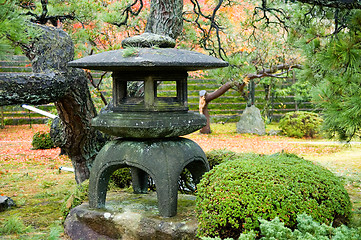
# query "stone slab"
(129, 216)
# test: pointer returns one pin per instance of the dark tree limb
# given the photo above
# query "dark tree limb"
(97, 86)
(128, 11)
(340, 4)
(205, 98)
(53, 81)
(206, 41)
(44, 18)
(35, 88)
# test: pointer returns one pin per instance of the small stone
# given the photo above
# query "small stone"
(6, 203)
(274, 132)
(107, 215)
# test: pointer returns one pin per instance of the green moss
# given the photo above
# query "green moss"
(75, 198)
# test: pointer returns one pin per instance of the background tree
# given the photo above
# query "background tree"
(94, 35)
(53, 81)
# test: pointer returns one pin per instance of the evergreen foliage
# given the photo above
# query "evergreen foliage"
(13, 27)
(122, 178)
(42, 140)
(235, 194)
(307, 229)
(300, 124)
(332, 65)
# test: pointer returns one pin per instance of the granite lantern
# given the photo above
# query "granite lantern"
(148, 127)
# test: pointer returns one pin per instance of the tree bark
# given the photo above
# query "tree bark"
(205, 98)
(53, 81)
(34, 88)
(80, 142)
(165, 18)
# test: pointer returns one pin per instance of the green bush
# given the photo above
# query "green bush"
(122, 178)
(42, 140)
(300, 124)
(216, 157)
(235, 194)
(307, 229)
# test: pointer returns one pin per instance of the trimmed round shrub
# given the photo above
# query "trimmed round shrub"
(42, 140)
(234, 195)
(216, 157)
(300, 124)
(122, 178)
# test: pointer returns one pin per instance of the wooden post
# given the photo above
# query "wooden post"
(2, 125)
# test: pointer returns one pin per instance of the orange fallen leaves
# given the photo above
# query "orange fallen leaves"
(16, 152)
(15, 146)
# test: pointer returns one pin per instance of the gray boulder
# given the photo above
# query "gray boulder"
(251, 122)
(6, 203)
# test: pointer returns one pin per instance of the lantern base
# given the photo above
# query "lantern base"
(162, 159)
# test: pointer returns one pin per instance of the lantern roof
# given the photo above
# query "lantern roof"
(148, 59)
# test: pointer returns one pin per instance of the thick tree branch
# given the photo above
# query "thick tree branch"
(340, 4)
(35, 88)
(205, 98)
(270, 71)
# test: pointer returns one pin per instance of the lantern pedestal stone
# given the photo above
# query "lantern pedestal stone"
(162, 159)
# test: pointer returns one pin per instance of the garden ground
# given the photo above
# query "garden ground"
(33, 180)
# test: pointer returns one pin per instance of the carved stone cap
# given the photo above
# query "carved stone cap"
(148, 40)
(148, 59)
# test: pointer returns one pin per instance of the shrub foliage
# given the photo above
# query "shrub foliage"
(235, 194)
(300, 124)
(42, 140)
(122, 178)
(307, 229)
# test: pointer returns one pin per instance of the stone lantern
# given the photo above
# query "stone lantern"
(148, 127)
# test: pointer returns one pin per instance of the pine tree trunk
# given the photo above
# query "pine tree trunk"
(80, 142)
(165, 18)
(53, 81)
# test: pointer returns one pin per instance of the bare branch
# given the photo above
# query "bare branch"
(206, 41)
(128, 11)
(96, 86)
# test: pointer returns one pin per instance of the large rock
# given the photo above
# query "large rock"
(251, 122)
(129, 216)
(6, 203)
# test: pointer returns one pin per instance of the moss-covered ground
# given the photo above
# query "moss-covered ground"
(33, 180)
